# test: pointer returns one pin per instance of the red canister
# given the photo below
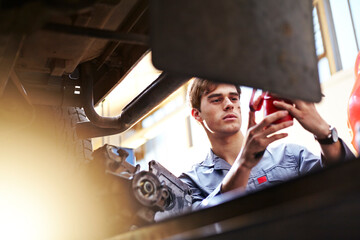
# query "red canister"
(268, 99)
(270, 108)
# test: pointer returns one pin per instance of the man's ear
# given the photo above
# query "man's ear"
(196, 114)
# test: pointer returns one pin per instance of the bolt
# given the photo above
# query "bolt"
(147, 187)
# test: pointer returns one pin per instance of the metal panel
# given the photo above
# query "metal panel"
(320, 205)
(261, 44)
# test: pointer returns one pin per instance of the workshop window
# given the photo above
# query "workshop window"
(344, 22)
(336, 28)
(323, 63)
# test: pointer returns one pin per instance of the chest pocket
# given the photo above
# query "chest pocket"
(281, 173)
(272, 176)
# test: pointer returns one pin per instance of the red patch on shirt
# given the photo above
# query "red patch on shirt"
(262, 179)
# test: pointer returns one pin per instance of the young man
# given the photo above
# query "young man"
(238, 162)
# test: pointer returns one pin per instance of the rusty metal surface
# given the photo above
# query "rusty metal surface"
(262, 44)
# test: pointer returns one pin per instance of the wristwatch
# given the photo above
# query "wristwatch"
(331, 138)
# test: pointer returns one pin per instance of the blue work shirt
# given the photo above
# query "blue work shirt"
(278, 164)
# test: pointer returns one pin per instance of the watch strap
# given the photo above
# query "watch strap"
(326, 141)
(331, 138)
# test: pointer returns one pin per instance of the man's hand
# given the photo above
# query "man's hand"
(259, 136)
(307, 116)
(310, 119)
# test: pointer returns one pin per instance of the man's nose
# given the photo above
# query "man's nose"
(228, 104)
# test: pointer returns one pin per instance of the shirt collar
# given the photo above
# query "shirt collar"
(212, 160)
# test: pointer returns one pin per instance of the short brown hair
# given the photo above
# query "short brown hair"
(200, 87)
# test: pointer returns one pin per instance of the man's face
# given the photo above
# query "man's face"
(220, 110)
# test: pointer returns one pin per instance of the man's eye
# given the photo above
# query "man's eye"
(235, 99)
(216, 100)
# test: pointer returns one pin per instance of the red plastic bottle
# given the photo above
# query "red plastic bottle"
(268, 100)
(270, 108)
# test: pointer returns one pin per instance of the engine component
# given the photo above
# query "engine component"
(152, 195)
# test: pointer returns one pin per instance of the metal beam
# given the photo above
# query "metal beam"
(130, 38)
(8, 60)
(134, 17)
(14, 77)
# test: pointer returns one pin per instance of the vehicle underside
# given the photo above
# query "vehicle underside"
(42, 43)
(59, 59)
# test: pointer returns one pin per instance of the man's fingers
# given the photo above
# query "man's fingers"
(276, 137)
(268, 120)
(257, 154)
(288, 107)
(251, 119)
(277, 127)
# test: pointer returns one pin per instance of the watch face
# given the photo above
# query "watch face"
(334, 135)
(331, 138)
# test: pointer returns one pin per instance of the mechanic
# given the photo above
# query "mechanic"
(249, 163)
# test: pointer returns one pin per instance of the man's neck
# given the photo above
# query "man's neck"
(227, 147)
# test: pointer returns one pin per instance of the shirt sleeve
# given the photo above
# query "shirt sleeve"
(200, 197)
(347, 154)
(309, 162)
(213, 194)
